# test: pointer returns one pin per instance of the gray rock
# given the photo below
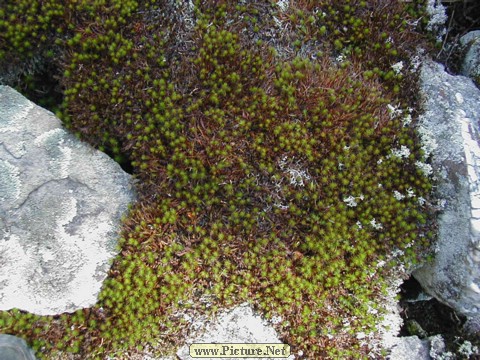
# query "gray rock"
(471, 327)
(471, 62)
(14, 348)
(410, 347)
(450, 131)
(437, 348)
(238, 325)
(60, 206)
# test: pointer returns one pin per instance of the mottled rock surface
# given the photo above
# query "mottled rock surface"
(410, 347)
(449, 129)
(471, 62)
(238, 325)
(60, 206)
(14, 348)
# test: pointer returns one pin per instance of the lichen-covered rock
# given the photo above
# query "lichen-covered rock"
(471, 62)
(14, 348)
(239, 325)
(60, 206)
(438, 349)
(449, 130)
(471, 327)
(410, 347)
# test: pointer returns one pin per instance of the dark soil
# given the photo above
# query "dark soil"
(463, 17)
(433, 317)
(43, 89)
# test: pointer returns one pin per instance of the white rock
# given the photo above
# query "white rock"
(61, 202)
(409, 348)
(452, 110)
(471, 63)
(239, 325)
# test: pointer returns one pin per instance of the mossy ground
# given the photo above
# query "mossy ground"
(276, 161)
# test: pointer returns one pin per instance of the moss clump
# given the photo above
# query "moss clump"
(274, 169)
(27, 26)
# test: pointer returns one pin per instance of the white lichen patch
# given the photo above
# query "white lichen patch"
(410, 193)
(437, 349)
(60, 155)
(397, 67)
(394, 111)
(85, 245)
(438, 18)
(415, 62)
(14, 282)
(375, 224)
(429, 144)
(296, 175)
(341, 58)
(93, 252)
(402, 153)
(69, 211)
(407, 120)
(186, 9)
(350, 201)
(467, 349)
(391, 321)
(64, 162)
(10, 184)
(51, 137)
(283, 5)
(398, 196)
(424, 167)
(12, 121)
